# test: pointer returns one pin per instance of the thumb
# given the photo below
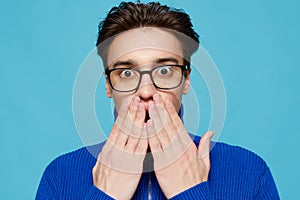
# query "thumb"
(204, 146)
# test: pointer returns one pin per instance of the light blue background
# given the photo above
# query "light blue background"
(43, 43)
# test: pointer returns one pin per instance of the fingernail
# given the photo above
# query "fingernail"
(168, 103)
(211, 134)
(137, 99)
(141, 107)
(157, 98)
(150, 105)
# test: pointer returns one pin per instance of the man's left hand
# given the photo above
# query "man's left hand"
(178, 163)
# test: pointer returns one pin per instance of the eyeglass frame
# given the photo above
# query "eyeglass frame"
(183, 68)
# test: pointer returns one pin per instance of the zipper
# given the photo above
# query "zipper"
(149, 186)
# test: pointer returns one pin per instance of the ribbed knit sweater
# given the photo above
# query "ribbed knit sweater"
(235, 173)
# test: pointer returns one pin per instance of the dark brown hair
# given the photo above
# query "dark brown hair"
(130, 15)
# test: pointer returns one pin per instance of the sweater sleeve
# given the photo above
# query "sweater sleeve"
(267, 190)
(199, 191)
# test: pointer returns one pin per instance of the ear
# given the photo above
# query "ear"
(108, 88)
(187, 82)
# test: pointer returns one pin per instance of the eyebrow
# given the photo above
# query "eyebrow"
(125, 63)
(163, 60)
(131, 63)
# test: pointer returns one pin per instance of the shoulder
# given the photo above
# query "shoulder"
(234, 156)
(240, 171)
(70, 174)
(84, 157)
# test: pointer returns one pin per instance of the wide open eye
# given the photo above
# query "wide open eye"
(163, 71)
(127, 73)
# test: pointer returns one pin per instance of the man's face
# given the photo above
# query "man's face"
(143, 49)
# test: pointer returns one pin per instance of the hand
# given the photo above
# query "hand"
(178, 164)
(120, 163)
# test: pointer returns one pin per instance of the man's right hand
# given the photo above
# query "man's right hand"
(120, 163)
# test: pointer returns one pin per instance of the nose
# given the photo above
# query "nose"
(146, 89)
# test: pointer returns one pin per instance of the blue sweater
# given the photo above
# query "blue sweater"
(235, 173)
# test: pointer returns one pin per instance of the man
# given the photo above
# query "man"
(146, 50)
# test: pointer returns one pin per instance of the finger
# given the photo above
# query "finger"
(184, 139)
(155, 118)
(127, 124)
(174, 126)
(129, 119)
(136, 135)
(116, 158)
(122, 113)
(132, 112)
(154, 143)
(204, 147)
(156, 112)
(141, 147)
(160, 108)
(116, 127)
(140, 116)
(177, 122)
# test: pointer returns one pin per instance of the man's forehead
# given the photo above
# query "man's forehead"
(143, 39)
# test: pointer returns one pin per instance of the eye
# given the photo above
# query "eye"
(127, 73)
(164, 71)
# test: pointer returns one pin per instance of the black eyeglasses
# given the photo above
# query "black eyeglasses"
(164, 77)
